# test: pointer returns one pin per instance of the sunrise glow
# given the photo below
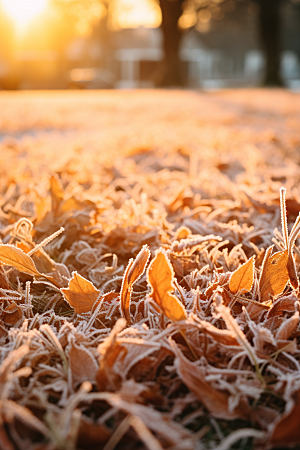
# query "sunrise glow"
(22, 12)
(133, 14)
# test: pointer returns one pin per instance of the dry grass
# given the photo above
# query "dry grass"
(103, 348)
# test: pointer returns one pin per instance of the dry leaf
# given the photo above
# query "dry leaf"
(224, 337)
(57, 193)
(12, 315)
(81, 294)
(241, 280)
(13, 256)
(287, 327)
(133, 273)
(193, 376)
(109, 351)
(286, 430)
(4, 282)
(160, 276)
(91, 435)
(83, 366)
(274, 275)
(291, 268)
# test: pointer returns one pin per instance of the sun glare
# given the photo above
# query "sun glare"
(135, 13)
(22, 12)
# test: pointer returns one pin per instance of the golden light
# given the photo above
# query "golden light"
(136, 13)
(22, 12)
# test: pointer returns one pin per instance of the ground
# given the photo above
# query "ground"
(142, 305)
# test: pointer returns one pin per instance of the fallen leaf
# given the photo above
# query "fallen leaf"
(291, 268)
(57, 193)
(133, 273)
(194, 377)
(4, 282)
(15, 257)
(274, 275)
(160, 276)
(241, 280)
(91, 435)
(224, 337)
(82, 364)
(286, 430)
(287, 327)
(110, 351)
(12, 315)
(81, 294)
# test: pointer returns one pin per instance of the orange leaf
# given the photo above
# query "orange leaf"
(133, 273)
(292, 272)
(15, 257)
(242, 278)
(81, 294)
(274, 275)
(160, 276)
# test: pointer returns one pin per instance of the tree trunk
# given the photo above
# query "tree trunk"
(269, 28)
(171, 68)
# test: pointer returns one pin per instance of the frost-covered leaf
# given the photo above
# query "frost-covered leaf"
(242, 279)
(287, 327)
(274, 275)
(133, 273)
(161, 279)
(81, 294)
(15, 257)
(82, 364)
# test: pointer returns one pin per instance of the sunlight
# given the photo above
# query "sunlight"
(22, 12)
(133, 14)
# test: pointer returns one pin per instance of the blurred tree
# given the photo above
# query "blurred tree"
(171, 68)
(190, 12)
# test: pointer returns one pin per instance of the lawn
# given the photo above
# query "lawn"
(149, 270)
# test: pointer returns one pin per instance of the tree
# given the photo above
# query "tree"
(269, 26)
(171, 68)
(270, 39)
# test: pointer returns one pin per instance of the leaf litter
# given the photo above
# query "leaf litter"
(149, 309)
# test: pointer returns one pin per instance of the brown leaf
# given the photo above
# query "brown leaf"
(82, 364)
(242, 279)
(12, 315)
(214, 400)
(286, 303)
(81, 294)
(286, 430)
(15, 257)
(110, 351)
(133, 273)
(224, 337)
(287, 327)
(291, 268)
(160, 276)
(91, 435)
(274, 275)
(4, 282)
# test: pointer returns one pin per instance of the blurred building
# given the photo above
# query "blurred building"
(224, 56)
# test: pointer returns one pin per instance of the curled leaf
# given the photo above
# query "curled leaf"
(274, 275)
(242, 279)
(133, 273)
(291, 268)
(160, 276)
(81, 294)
